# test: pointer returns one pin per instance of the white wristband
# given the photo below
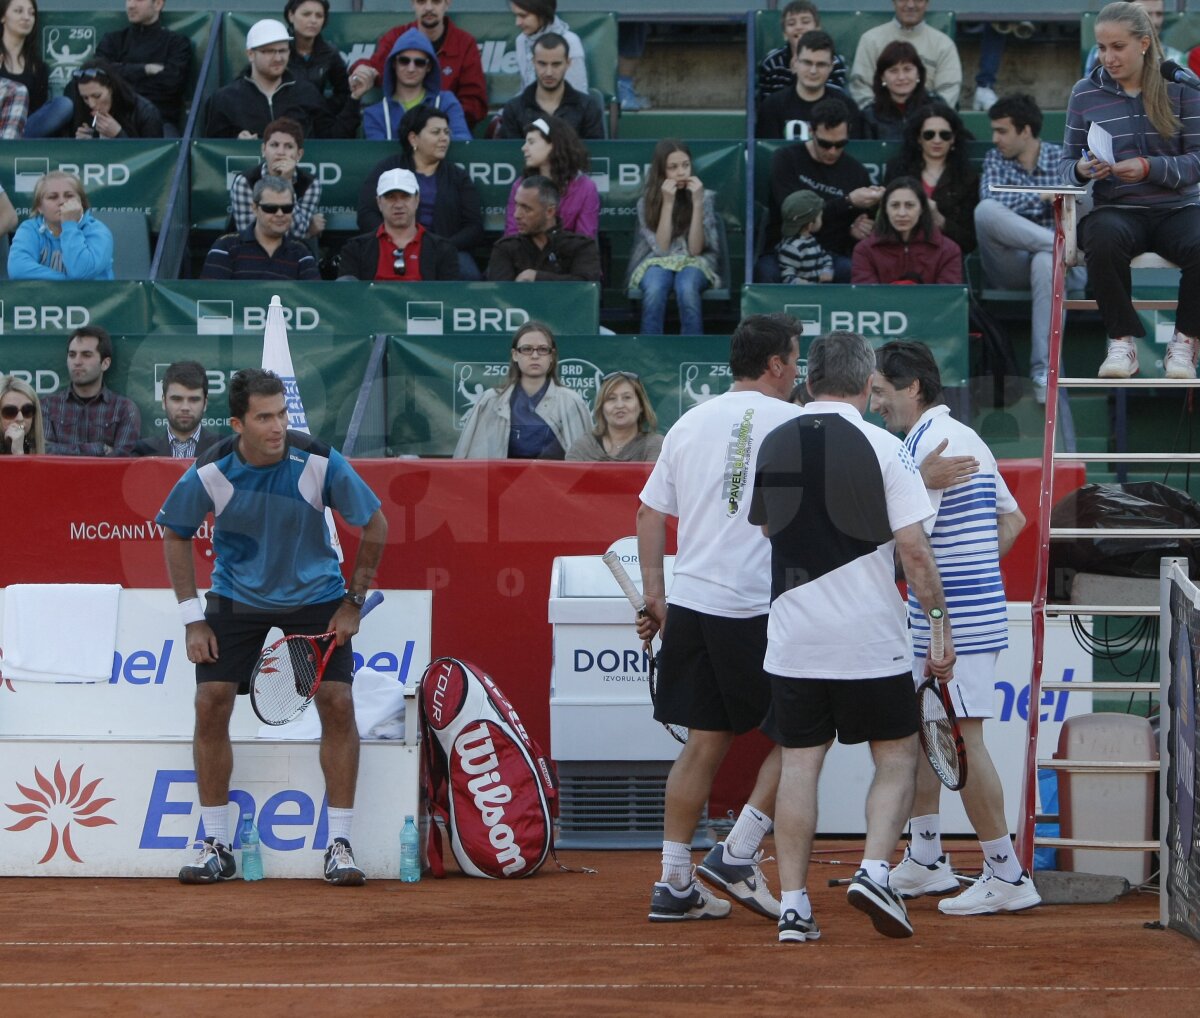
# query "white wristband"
(191, 611)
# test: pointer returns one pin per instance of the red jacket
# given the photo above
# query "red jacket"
(885, 260)
(462, 70)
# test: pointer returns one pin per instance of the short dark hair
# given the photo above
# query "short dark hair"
(552, 40)
(189, 374)
(829, 112)
(1022, 109)
(904, 361)
(757, 339)
(546, 191)
(799, 7)
(814, 40)
(415, 121)
(285, 125)
(104, 345)
(251, 382)
(839, 364)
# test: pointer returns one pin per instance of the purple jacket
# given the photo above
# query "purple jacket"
(578, 208)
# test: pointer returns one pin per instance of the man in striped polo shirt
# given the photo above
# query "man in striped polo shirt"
(976, 522)
(263, 250)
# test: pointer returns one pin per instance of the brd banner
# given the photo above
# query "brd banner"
(934, 315)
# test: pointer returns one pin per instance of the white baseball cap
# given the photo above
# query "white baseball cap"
(397, 180)
(266, 32)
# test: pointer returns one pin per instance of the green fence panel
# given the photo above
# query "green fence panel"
(434, 383)
(71, 37)
(355, 36)
(934, 315)
(130, 175)
(844, 27)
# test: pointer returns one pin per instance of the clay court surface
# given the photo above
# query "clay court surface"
(560, 944)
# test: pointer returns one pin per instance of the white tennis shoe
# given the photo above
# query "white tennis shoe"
(911, 879)
(1122, 359)
(989, 895)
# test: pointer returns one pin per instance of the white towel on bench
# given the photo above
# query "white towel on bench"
(60, 632)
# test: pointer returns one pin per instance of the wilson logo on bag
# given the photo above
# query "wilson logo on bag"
(484, 777)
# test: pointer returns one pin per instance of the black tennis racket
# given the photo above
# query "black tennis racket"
(288, 673)
(940, 735)
(678, 732)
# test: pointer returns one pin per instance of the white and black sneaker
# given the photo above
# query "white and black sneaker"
(911, 879)
(667, 905)
(339, 865)
(213, 863)
(746, 884)
(882, 905)
(989, 895)
(794, 930)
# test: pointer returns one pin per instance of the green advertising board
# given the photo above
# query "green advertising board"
(130, 176)
(934, 315)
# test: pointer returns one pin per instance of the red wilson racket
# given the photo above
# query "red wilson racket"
(288, 672)
(940, 735)
(678, 732)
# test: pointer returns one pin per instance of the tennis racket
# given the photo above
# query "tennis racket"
(940, 735)
(287, 674)
(678, 732)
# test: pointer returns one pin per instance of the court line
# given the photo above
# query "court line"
(690, 986)
(486, 945)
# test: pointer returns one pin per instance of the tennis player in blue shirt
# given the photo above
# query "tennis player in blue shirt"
(267, 489)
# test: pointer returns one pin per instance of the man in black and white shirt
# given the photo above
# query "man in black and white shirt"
(184, 400)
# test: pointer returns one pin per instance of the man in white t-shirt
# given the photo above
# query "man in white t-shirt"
(839, 499)
(976, 523)
(710, 677)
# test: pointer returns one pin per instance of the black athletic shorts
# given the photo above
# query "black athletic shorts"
(810, 712)
(241, 632)
(710, 674)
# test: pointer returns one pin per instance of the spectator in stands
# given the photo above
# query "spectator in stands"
(626, 428)
(551, 95)
(316, 61)
(154, 60)
(677, 244)
(263, 250)
(801, 257)
(267, 90)
(775, 69)
(542, 251)
(62, 240)
(1016, 231)
(411, 78)
(457, 52)
(631, 44)
(401, 248)
(935, 152)
(552, 149)
(536, 18)
(8, 215)
(532, 415)
(21, 430)
(1156, 12)
(104, 106)
(899, 86)
(89, 419)
(786, 113)
(282, 150)
(184, 400)
(821, 164)
(450, 205)
(21, 61)
(936, 50)
(14, 109)
(906, 247)
(1145, 200)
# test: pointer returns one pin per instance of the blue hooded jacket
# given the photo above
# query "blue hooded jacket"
(382, 120)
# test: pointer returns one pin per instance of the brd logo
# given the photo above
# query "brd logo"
(28, 170)
(216, 318)
(581, 375)
(43, 318)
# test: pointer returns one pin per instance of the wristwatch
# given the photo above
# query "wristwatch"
(355, 599)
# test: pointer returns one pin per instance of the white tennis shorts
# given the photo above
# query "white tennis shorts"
(973, 688)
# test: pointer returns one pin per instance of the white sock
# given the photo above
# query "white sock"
(216, 823)
(1002, 858)
(877, 870)
(742, 843)
(340, 821)
(926, 844)
(677, 864)
(797, 900)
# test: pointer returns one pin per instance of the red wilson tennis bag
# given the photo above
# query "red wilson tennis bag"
(484, 776)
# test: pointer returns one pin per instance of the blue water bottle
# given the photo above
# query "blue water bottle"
(252, 867)
(410, 852)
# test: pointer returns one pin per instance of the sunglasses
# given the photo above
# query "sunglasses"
(825, 143)
(87, 74)
(529, 351)
(398, 262)
(632, 376)
(413, 61)
(27, 410)
(942, 135)
(270, 208)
